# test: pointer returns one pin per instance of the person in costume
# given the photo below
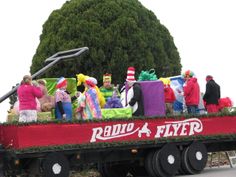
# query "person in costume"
(28, 92)
(63, 105)
(108, 89)
(169, 95)
(89, 107)
(191, 92)
(47, 102)
(132, 95)
(81, 80)
(212, 95)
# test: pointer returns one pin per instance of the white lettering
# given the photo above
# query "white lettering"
(113, 131)
(116, 129)
(160, 130)
(168, 132)
(186, 127)
(176, 128)
(97, 132)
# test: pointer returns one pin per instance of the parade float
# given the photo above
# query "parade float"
(155, 145)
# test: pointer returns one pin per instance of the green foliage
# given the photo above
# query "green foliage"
(119, 34)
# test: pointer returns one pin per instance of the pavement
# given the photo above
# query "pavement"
(222, 171)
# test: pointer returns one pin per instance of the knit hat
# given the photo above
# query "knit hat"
(91, 81)
(61, 82)
(209, 77)
(130, 74)
(107, 77)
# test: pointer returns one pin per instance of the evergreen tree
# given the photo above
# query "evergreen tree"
(118, 33)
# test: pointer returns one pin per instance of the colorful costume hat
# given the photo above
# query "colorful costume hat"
(91, 81)
(107, 77)
(61, 82)
(188, 73)
(131, 75)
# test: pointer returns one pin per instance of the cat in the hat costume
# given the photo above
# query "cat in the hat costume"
(132, 95)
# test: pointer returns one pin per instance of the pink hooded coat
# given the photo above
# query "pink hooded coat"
(27, 95)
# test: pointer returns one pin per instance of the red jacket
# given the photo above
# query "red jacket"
(169, 94)
(192, 92)
(27, 95)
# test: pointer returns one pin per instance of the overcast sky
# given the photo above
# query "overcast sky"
(204, 32)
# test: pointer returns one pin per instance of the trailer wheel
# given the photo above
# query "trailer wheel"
(185, 168)
(148, 164)
(166, 161)
(197, 155)
(55, 164)
(194, 158)
(156, 165)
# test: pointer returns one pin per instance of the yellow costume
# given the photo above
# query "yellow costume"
(81, 79)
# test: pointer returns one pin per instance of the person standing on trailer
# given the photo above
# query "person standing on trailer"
(108, 88)
(63, 106)
(27, 93)
(212, 95)
(89, 107)
(191, 92)
(169, 95)
(132, 95)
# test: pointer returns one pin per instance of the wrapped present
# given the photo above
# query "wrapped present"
(116, 113)
(153, 98)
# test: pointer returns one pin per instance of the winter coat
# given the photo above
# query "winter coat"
(169, 94)
(212, 94)
(27, 95)
(191, 92)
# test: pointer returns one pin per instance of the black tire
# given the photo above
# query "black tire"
(148, 164)
(167, 160)
(194, 158)
(185, 168)
(55, 165)
(197, 155)
(156, 164)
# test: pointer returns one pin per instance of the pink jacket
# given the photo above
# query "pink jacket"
(27, 95)
(192, 92)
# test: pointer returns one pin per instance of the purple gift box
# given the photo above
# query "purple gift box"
(153, 98)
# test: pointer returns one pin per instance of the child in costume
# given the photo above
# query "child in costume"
(169, 95)
(81, 79)
(89, 107)
(107, 89)
(63, 106)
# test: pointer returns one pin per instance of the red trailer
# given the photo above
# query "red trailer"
(158, 146)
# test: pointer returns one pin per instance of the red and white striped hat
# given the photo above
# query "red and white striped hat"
(61, 82)
(130, 74)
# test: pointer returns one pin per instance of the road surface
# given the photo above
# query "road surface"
(222, 171)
